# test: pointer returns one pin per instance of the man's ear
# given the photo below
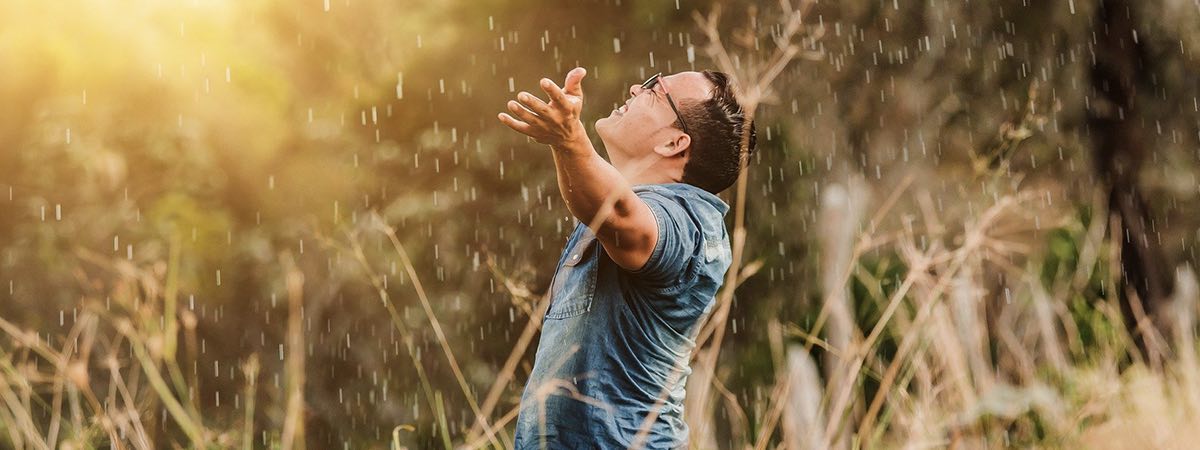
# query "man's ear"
(676, 147)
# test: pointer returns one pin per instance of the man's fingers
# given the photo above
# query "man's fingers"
(520, 112)
(530, 115)
(574, 83)
(516, 125)
(556, 94)
(533, 103)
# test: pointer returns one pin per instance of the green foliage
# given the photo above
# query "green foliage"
(255, 129)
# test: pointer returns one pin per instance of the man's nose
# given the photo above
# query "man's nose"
(634, 89)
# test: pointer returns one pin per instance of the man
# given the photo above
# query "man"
(618, 334)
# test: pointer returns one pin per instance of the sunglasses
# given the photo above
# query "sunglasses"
(657, 80)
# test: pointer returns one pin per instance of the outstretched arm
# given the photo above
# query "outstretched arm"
(595, 192)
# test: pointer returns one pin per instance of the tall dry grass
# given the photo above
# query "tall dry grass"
(974, 345)
(982, 350)
(121, 373)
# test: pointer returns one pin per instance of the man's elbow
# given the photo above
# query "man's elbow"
(615, 216)
(627, 215)
(633, 233)
(630, 251)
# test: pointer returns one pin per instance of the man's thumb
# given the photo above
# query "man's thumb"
(574, 83)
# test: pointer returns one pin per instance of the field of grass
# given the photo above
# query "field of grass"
(973, 328)
(263, 225)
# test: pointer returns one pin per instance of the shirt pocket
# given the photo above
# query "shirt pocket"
(574, 283)
(716, 248)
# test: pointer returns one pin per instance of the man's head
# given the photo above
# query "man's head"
(645, 138)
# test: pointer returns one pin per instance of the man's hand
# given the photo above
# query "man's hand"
(555, 123)
(594, 191)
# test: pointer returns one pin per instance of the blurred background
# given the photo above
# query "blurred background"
(276, 224)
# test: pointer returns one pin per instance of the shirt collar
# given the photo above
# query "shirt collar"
(702, 194)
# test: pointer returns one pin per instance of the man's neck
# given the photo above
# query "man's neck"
(646, 177)
(642, 171)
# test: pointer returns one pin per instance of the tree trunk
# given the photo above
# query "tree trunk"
(1119, 68)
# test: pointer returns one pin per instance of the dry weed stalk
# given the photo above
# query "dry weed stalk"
(946, 264)
(754, 77)
(523, 298)
(142, 323)
(441, 336)
(142, 367)
(355, 248)
(293, 422)
(250, 370)
(495, 434)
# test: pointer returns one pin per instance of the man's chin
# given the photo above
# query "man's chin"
(602, 124)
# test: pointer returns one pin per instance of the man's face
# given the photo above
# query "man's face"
(646, 120)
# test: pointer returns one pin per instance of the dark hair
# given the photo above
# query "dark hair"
(716, 127)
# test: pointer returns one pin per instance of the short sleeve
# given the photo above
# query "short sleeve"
(678, 238)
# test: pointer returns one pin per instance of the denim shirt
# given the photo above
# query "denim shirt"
(614, 342)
